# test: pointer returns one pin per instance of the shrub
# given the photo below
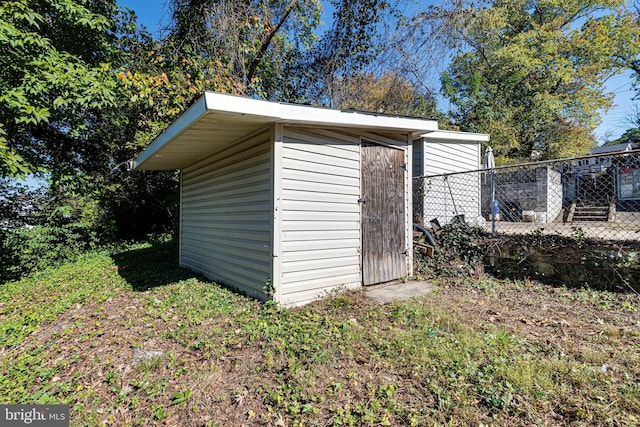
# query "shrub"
(457, 252)
(29, 249)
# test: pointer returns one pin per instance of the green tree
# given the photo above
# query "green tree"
(390, 93)
(251, 48)
(82, 91)
(625, 30)
(55, 80)
(531, 72)
(156, 81)
(346, 52)
(254, 42)
(631, 135)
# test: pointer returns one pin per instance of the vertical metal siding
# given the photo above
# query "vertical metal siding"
(447, 157)
(417, 160)
(226, 215)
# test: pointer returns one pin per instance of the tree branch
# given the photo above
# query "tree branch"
(267, 41)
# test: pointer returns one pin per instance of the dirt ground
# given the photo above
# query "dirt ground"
(239, 364)
(571, 319)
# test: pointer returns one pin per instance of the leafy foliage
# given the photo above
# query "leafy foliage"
(49, 228)
(478, 352)
(631, 135)
(253, 41)
(532, 73)
(389, 93)
(83, 89)
(458, 252)
(55, 79)
(618, 37)
(20, 205)
(26, 250)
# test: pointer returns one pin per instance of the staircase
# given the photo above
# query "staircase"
(590, 213)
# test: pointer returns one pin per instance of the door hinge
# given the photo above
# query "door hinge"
(363, 201)
(404, 166)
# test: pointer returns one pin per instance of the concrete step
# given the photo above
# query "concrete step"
(579, 212)
(591, 209)
(591, 213)
(590, 218)
(596, 213)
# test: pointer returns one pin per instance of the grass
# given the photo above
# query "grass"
(478, 351)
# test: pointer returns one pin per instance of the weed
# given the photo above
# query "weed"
(181, 397)
(237, 361)
(458, 253)
(111, 376)
(629, 307)
(578, 234)
(339, 302)
(500, 340)
(149, 364)
(486, 284)
(159, 412)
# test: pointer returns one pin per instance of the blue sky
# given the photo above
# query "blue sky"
(152, 14)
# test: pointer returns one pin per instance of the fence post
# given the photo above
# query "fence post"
(493, 203)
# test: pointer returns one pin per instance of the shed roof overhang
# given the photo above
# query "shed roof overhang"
(216, 121)
(455, 136)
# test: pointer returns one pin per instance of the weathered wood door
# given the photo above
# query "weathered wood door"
(383, 214)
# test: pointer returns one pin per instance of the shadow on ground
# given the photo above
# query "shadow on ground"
(153, 266)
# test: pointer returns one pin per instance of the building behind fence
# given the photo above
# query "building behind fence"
(594, 197)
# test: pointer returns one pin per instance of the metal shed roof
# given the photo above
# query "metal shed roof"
(215, 121)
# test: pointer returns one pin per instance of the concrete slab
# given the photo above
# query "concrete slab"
(397, 291)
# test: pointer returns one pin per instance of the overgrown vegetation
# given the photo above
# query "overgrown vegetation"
(37, 232)
(34, 249)
(574, 261)
(481, 351)
(458, 252)
(84, 89)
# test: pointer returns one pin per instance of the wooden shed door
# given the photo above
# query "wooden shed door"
(383, 216)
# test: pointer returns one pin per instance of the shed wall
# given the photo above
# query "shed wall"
(320, 214)
(226, 221)
(417, 158)
(459, 194)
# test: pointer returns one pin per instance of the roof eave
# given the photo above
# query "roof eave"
(273, 113)
(456, 136)
(192, 114)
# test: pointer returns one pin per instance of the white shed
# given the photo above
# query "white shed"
(448, 152)
(290, 202)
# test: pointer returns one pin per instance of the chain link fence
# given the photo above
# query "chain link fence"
(595, 197)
